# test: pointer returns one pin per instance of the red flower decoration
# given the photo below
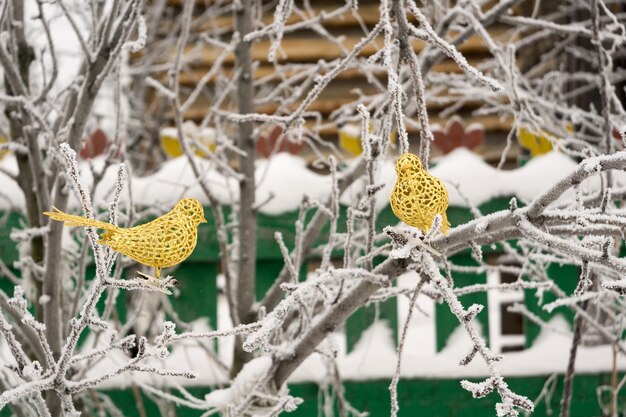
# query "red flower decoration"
(456, 135)
(267, 142)
(95, 145)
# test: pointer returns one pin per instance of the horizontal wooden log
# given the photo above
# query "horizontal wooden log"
(191, 77)
(314, 48)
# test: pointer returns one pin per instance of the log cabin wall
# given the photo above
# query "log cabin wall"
(213, 23)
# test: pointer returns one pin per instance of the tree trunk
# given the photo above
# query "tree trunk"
(247, 214)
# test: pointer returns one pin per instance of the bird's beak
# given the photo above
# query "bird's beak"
(203, 221)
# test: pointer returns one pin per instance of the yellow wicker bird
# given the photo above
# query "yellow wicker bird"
(165, 241)
(418, 196)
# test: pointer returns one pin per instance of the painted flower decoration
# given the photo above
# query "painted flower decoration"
(95, 145)
(456, 135)
(170, 143)
(618, 138)
(4, 152)
(274, 139)
(350, 138)
(537, 144)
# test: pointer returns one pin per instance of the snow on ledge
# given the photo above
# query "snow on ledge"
(480, 182)
(374, 358)
(287, 179)
(284, 178)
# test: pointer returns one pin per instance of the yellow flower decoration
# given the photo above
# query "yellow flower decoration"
(350, 138)
(3, 152)
(536, 144)
(171, 144)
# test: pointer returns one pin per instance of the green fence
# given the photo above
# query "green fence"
(417, 397)
(437, 397)
(198, 291)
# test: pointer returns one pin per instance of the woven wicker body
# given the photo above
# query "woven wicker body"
(418, 196)
(164, 242)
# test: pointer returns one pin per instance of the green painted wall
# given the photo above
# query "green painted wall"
(566, 278)
(439, 397)
(198, 296)
(197, 275)
(8, 249)
(446, 321)
(430, 398)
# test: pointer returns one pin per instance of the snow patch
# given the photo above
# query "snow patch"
(244, 384)
(287, 179)
(374, 357)
(480, 182)
(188, 355)
(283, 180)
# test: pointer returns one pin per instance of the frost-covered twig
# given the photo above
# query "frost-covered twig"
(450, 50)
(6, 272)
(510, 400)
(393, 387)
(310, 234)
(241, 329)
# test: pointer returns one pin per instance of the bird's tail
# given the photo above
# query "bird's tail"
(72, 220)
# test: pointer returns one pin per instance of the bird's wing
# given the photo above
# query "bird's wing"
(136, 242)
(159, 243)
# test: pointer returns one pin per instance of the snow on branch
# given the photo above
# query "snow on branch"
(577, 221)
(450, 50)
(510, 400)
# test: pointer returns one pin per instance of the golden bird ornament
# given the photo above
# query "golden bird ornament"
(418, 196)
(161, 243)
